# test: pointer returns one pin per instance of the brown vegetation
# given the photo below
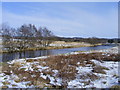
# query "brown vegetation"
(66, 66)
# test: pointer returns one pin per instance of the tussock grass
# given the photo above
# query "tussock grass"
(6, 83)
(115, 87)
(90, 76)
(66, 66)
(4, 87)
(99, 69)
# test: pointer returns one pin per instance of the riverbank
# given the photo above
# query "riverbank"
(54, 45)
(91, 69)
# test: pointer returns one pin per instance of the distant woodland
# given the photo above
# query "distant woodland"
(28, 36)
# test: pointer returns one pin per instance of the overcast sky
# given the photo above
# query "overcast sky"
(79, 19)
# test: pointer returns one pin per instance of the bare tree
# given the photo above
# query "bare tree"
(47, 35)
(25, 37)
(7, 37)
(39, 36)
(25, 32)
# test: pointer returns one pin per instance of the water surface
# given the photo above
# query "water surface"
(31, 54)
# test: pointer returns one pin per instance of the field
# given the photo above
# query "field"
(91, 69)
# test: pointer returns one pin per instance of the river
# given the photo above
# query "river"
(31, 54)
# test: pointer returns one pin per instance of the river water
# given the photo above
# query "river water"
(31, 54)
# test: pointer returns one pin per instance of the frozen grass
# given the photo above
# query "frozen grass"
(76, 70)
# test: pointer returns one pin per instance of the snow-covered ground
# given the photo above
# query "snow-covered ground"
(104, 81)
(65, 44)
(86, 76)
(113, 50)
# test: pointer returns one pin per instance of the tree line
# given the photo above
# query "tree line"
(26, 36)
(91, 40)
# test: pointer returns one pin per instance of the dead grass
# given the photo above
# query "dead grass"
(6, 83)
(26, 75)
(99, 69)
(47, 72)
(6, 69)
(66, 66)
(63, 65)
(90, 76)
(31, 60)
(4, 87)
(115, 87)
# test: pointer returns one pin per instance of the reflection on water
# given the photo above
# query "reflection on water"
(31, 54)
(26, 54)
